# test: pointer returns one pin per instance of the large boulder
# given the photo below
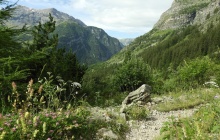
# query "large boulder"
(142, 94)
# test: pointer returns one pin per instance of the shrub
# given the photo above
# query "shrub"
(136, 112)
(132, 74)
(195, 72)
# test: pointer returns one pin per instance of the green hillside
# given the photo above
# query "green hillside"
(166, 53)
(90, 44)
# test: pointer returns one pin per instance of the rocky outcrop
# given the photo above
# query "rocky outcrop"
(184, 12)
(142, 94)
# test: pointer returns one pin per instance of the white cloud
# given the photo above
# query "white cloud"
(128, 16)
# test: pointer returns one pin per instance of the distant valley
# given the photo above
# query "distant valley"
(126, 41)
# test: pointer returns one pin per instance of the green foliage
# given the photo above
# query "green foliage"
(194, 8)
(6, 10)
(136, 112)
(91, 44)
(182, 44)
(106, 83)
(10, 62)
(216, 10)
(208, 16)
(132, 74)
(33, 118)
(196, 72)
(38, 52)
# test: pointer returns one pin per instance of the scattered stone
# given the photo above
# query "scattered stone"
(148, 130)
(105, 133)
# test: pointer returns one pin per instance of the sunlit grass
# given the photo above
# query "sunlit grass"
(203, 125)
(187, 99)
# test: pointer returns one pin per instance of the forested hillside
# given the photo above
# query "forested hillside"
(166, 52)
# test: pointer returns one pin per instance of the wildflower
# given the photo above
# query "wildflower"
(31, 92)
(17, 121)
(23, 124)
(27, 114)
(41, 99)
(35, 119)
(35, 133)
(2, 135)
(44, 127)
(13, 129)
(14, 86)
(76, 125)
(57, 123)
(51, 131)
(216, 97)
(7, 124)
(48, 138)
(70, 127)
(69, 106)
(8, 115)
(1, 129)
(40, 89)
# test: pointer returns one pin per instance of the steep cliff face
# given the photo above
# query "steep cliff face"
(90, 44)
(188, 12)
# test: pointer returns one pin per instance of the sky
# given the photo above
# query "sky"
(119, 18)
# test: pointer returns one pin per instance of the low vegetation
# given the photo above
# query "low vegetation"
(204, 124)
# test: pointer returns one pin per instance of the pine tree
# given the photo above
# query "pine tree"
(42, 46)
(9, 52)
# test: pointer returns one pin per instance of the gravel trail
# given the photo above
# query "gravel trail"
(149, 129)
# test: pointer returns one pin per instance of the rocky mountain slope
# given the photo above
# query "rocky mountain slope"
(203, 14)
(185, 12)
(91, 44)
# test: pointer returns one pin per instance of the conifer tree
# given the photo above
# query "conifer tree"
(9, 52)
(40, 50)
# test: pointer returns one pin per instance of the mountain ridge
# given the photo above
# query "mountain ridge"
(183, 13)
(90, 44)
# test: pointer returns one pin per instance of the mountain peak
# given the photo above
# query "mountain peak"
(24, 15)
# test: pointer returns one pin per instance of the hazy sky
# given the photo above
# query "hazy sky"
(119, 18)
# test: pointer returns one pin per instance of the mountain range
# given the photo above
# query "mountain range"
(90, 44)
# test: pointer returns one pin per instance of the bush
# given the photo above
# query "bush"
(136, 112)
(132, 74)
(196, 72)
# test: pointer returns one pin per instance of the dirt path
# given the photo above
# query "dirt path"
(149, 129)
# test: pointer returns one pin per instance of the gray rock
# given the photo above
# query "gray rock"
(105, 133)
(157, 100)
(142, 94)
